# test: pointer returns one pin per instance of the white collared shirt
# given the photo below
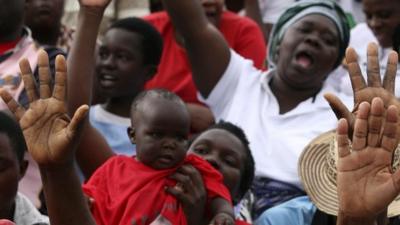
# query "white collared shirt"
(242, 96)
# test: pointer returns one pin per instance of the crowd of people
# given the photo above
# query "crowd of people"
(200, 112)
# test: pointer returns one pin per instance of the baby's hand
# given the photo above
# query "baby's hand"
(222, 219)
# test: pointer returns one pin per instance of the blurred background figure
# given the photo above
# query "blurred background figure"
(43, 17)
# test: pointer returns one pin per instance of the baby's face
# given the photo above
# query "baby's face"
(161, 132)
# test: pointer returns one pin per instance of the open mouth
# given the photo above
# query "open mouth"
(304, 59)
(107, 80)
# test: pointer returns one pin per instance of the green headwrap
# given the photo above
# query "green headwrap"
(303, 8)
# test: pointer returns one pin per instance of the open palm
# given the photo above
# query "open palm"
(366, 185)
(366, 91)
(48, 131)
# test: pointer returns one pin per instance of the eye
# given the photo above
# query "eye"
(384, 14)
(103, 54)
(202, 150)
(328, 39)
(304, 28)
(123, 57)
(156, 135)
(230, 160)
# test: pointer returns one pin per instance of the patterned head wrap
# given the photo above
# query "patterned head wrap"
(304, 8)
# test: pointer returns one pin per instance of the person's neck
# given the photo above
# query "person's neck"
(8, 212)
(46, 36)
(118, 106)
(289, 97)
(11, 36)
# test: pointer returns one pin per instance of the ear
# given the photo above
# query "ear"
(23, 166)
(132, 134)
(276, 55)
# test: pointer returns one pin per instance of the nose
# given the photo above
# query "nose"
(108, 61)
(169, 143)
(213, 161)
(313, 40)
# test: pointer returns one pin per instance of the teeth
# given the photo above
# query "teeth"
(108, 77)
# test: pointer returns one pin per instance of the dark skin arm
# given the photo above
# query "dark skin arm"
(93, 149)
(208, 51)
(222, 211)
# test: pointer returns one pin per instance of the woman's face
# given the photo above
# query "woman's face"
(382, 17)
(225, 152)
(308, 52)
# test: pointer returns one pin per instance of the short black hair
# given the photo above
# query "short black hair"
(160, 93)
(247, 176)
(10, 127)
(152, 42)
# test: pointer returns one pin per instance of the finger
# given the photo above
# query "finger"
(390, 131)
(29, 80)
(357, 80)
(193, 173)
(340, 110)
(60, 78)
(338, 107)
(390, 74)
(373, 72)
(361, 127)
(342, 138)
(184, 181)
(76, 120)
(44, 75)
(13, 106)
(179, 194)
(375, 121)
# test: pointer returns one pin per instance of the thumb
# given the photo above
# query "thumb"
(77, 119)
(340, 110)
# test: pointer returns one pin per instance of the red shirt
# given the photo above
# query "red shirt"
(4, 47)
(242, 34)
(127, 192)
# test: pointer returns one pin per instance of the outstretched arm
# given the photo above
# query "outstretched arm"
(51, 137)
(366, 185)
(93, 149)
(207, 49)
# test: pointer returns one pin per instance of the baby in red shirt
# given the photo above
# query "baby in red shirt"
(130, 190)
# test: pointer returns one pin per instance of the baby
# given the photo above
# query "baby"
(130, 190)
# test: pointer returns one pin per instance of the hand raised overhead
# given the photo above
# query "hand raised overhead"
(366, 184)
(49, 133)
(363, 91)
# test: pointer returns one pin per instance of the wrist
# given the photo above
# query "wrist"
(345, 219)
(92, 11)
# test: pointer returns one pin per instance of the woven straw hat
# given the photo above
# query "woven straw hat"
(317, 170)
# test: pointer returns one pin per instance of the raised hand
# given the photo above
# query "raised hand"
(48, 131)
(366, 185)
(363, 91)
